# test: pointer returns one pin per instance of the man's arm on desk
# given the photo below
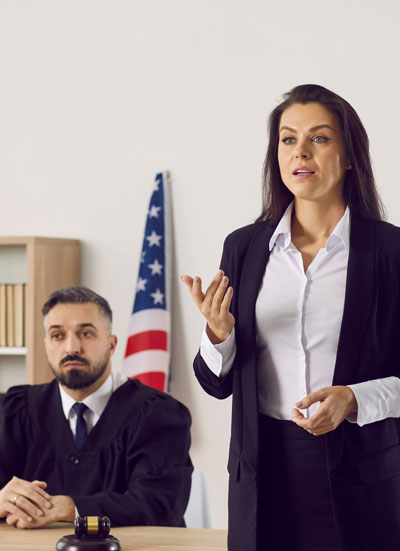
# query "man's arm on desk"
(27, 505)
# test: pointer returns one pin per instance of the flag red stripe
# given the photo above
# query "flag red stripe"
(148, 340)
(156, 379)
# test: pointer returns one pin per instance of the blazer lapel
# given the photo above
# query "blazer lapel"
(358, 296)
(252, 274)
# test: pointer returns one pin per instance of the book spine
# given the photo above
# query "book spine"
(10, 315)
(3, 315)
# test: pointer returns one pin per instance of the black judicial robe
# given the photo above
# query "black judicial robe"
(363, 462)
(134, 466)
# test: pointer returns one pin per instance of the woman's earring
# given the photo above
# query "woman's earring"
(349, 167)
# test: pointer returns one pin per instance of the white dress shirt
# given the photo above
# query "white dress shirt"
(95, 402)
(298, 320)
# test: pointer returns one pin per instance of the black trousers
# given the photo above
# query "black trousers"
(295, 506)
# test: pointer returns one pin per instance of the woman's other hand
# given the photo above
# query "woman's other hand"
(336, 403)
(213, 304)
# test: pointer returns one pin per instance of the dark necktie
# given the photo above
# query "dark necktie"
(81, 428)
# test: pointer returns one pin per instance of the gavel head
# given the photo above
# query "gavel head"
(92, 527)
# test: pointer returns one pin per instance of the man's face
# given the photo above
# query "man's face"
(78, 344)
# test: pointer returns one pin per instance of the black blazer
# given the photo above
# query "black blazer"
(363, 462)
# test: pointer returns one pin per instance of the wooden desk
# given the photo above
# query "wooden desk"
(132, 538)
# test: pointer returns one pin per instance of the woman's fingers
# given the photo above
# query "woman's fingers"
(194, 286)
(188, 281)
(214, 304)
(212, 289)
(197, 293)
(219, 294)
(226, 302)
(203, 300)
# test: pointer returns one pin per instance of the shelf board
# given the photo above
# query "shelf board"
(13, 350)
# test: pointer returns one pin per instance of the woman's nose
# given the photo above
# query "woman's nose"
(302, 151)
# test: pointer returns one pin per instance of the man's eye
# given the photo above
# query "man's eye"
(56, 336)
(320, 139)
(288, 141)
(86, 334)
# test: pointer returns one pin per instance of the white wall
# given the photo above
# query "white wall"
(97, 96)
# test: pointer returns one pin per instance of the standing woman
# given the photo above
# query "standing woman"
(303, 329)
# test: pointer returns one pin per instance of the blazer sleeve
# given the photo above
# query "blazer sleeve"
(220, 387)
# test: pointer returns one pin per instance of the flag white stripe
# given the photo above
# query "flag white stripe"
(149, 320)
(148, 360)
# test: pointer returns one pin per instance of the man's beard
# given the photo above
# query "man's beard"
(75, 379)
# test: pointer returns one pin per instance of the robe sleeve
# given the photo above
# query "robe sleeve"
(159, 470)
(14, 430)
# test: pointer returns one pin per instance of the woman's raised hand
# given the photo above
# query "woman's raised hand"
(213, 304)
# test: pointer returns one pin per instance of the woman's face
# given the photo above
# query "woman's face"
(311, 153)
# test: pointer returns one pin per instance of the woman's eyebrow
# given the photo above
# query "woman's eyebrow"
(313, 129)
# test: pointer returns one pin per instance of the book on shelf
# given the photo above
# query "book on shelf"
(3, 317)
(12, 314)
(19, 317)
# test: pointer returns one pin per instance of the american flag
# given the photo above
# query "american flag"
(147, 353)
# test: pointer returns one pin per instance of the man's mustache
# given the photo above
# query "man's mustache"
(73, 358)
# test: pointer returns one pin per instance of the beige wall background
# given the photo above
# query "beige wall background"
(97, 96)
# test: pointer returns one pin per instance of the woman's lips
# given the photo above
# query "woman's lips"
(303, 175)
(302, 172)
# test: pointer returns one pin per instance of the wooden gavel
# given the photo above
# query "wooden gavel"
(91, 534)
(92, 527)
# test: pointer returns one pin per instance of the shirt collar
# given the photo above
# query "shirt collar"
(282, 230)
(282, 235)
(341, 231)
(96, 401)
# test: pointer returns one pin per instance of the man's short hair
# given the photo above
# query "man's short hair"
(77, 295)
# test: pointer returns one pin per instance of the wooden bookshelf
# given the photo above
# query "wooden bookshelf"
(44, 264)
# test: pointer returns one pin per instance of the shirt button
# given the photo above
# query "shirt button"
(74, 459)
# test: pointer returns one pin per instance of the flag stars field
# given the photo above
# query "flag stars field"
(141, 284)
(153, 212)
(156, 268)
(158, 297)
(154, 239)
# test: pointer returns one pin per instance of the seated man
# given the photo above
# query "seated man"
(92, 441)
